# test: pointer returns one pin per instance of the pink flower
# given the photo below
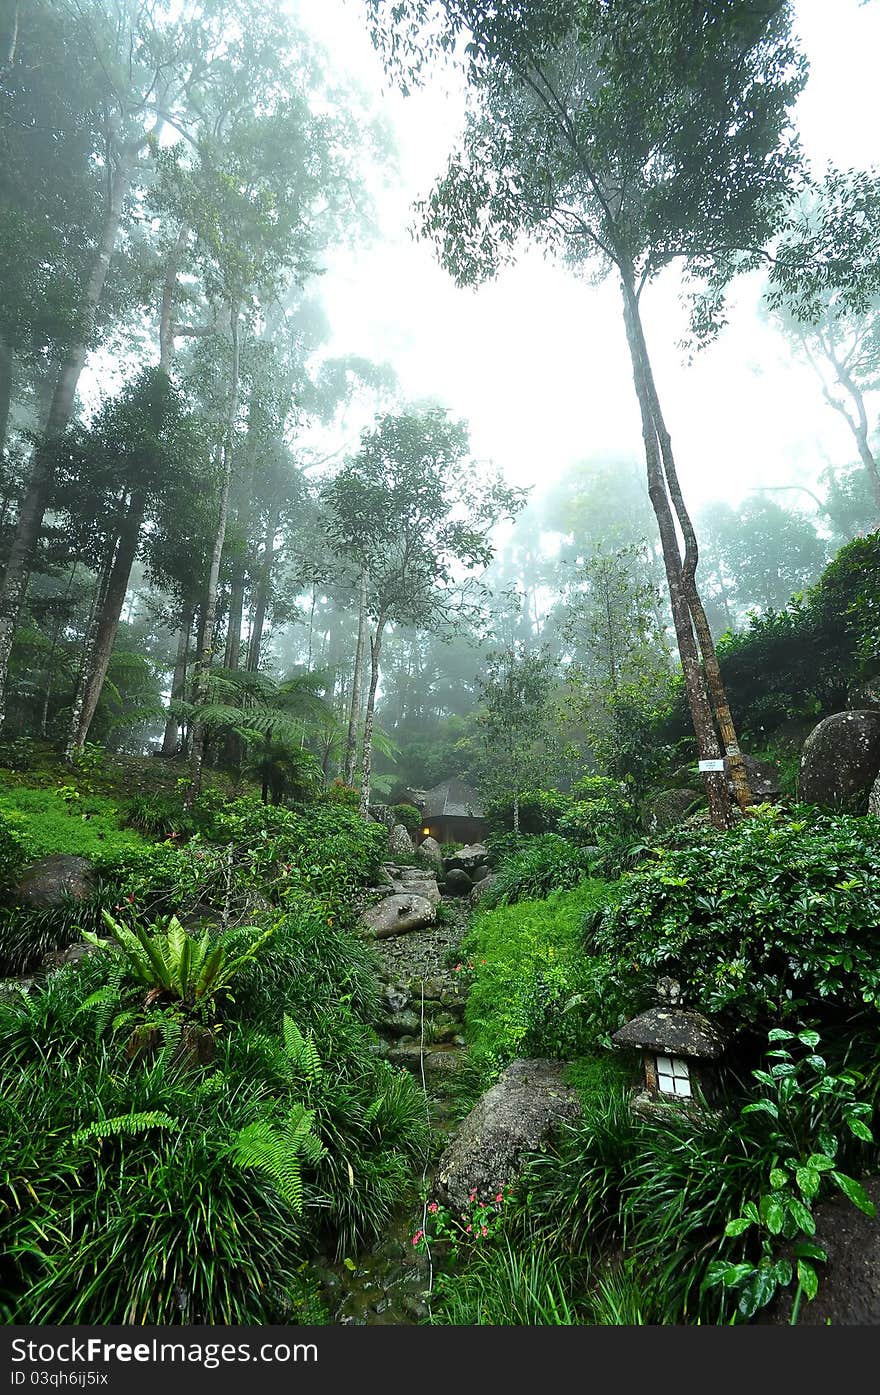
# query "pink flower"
(433, 1208)
(500, 1196)
(468, 1229)
(472, 1196)
(485, 1230)
(417, 1237)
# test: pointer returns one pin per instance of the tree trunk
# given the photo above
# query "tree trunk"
(698, 699)
(203, 661)
(717, 692)
(516, 812)
(354, 709)
(36, 497)
(255, 639)
(5, 391)
(166, 308)
(171, 739)
(236, 608)
(97, 659)
(367, 757)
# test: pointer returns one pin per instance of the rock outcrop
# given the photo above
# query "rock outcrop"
(54, 879)
(399, 842)
(514, 1117)
(841, 761)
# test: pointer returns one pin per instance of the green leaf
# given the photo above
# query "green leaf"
(808, 1249)
(772, 1213)
(762, 1107)
(802, 1215)
(808, 1180)
(860, 1129)
(809, 1038)
(778, 1178)
(820, 1161)
(737, 1226)
(808, 1279)
(855, 1192)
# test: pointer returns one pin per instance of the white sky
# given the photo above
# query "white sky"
(536, 362)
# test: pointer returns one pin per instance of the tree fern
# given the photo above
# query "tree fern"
(280, 1152)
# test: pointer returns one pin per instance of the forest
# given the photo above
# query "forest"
(439, 862)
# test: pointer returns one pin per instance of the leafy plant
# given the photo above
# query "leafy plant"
(803, 1101)
(279, 1152)
(172, 964)
(547, 862)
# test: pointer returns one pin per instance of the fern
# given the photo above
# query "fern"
(279, 1153)
(123, 1124)
(302, 1052)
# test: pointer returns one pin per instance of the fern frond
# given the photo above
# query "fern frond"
(123, 1124)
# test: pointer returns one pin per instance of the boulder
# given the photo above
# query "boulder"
(430, 850)
(668, 808)
(467, 858)
(864, 693)
(55, 879)
(458, 883)
(57, 958)
(849, 1281)
(397, 915)
(514, 1117)
(763, 780)
(479, 874)
(399, 841)
(395, 997)
(481, 887)
(841, 761)
(400, 1024)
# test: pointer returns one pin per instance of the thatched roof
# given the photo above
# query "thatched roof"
(675, 1031)
(452, 799)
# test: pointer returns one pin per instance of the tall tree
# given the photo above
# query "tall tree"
(630, 135)
(414, 516)
(512, 714)
(825, 289)
(149, 63)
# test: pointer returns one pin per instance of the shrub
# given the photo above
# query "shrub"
(408, 815)
(531, 978)
(63, 820)
(543, 864)
(774, 920)
(12, 853)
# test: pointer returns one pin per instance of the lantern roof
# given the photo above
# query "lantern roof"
(674, 1031)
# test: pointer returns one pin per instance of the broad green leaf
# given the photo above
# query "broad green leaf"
(808, 1279)
(855, 1192)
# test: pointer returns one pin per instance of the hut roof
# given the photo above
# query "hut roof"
(676, 1031)
(452, 799)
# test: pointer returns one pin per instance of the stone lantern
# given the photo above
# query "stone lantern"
(679, 1049)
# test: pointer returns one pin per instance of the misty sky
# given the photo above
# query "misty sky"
(537, 361)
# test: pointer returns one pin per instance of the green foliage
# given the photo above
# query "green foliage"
(408, 815)
(529, 973)
(173, 966)
(63, 820)
(511, 1287)
(771, 920)
(700, 1204)
(798, 662)
(280, 1151)
(545, 863)
(802, 1105)
(12, 852)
